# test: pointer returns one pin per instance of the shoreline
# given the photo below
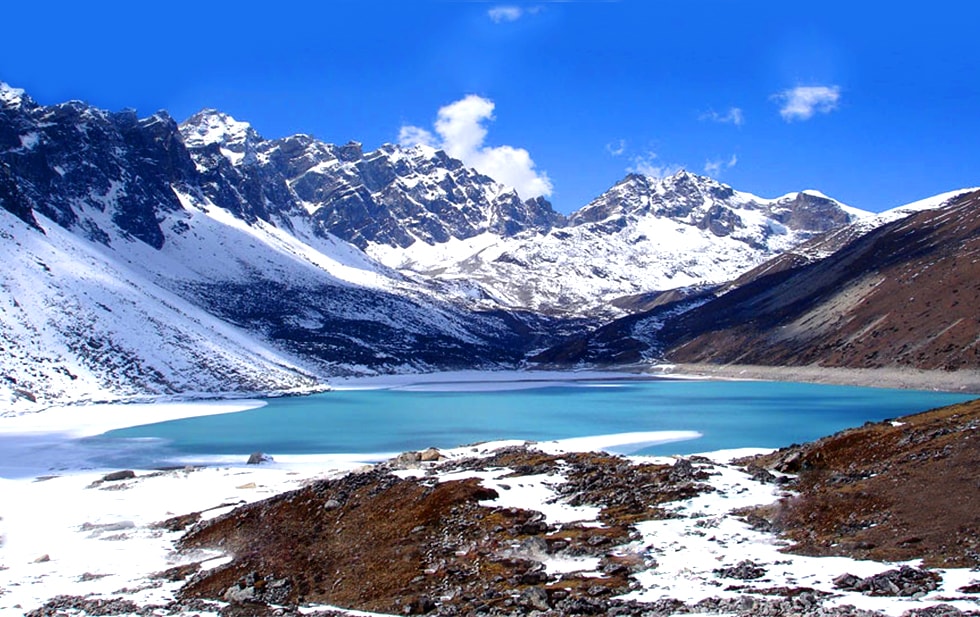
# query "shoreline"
(962, 381)
(111, 537)
(48, 435)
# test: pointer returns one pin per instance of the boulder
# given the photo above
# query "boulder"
(406, 460)
(745, 571)
(115, 476)
(906, 581)
(430, 455)
(257, 458)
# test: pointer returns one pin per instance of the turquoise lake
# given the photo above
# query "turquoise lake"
(727, 414)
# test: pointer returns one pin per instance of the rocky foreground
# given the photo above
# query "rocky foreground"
(889, 491)
(877, 520)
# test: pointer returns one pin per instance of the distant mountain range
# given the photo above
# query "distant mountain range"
(421, 212)
(149, 258)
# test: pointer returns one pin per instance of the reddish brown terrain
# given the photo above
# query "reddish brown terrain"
(892, 491)
(905, 295)
(375, 542)
(889, 491)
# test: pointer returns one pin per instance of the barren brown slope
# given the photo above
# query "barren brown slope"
(373, 541)
(906, 294)
(889, 491)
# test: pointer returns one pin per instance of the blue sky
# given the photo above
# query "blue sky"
(876, 105)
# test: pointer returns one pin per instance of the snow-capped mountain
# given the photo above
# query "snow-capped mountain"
(137, 264)
(208, 258)
(643, 235)
(894, 289)
(421, 212)
(903, 294)
(392, 196)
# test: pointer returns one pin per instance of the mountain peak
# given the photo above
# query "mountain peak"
(14, 97)
(210, 126)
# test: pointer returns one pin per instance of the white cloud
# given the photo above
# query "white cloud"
(714, 168)
(616, 148)
(734, 116)
(648, 165)
(802, 102)
(461, 133)
(501, 14)
(505, 13)
(413, 135)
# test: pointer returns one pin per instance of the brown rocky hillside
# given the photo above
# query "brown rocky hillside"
(906, 294)
(888, 491)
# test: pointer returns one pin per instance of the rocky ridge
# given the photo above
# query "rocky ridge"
(642, 236)
(888, 293)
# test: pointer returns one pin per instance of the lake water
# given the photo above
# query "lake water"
(726, 414)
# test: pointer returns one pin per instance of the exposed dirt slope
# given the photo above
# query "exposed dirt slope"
(905, 294)
(891, 491)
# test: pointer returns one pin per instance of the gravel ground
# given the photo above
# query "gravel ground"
(947, 381)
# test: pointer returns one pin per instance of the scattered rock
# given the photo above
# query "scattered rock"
(97, 529)
(179, 573)
(746, 570)
(682, 471)
(179, 523)
(938, 610)
(791, 462)
(905, 582)
(973, 587)
(406, 460)
(257, 458)
(125, 474)
(760, 474)
(74, 605)
(238, 594)
(536, 598)
(419, 606)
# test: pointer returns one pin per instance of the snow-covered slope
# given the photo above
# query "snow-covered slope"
(140, 265)
(642, 235)
(79, 325)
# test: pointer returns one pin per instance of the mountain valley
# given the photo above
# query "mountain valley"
(149, 258)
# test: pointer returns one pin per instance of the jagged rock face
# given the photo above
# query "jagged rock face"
(391, 196)
(11, 198)
(82, 167)
(396, 197)
(643, 235)
(809, 211)
(419, 211)
(707, 204)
